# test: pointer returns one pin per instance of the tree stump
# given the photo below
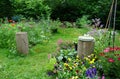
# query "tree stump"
(22, 42)
(85, 46)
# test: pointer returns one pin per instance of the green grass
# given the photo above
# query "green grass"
(35, 65)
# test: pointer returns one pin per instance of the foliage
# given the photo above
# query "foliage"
(83, 21)
(34, 65)
(60, 9)
(6, 9)
(7, 37)
(31, 8)
(66, 10)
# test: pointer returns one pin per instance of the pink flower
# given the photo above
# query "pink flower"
(110, 60)
(103, 77)
(107, 50)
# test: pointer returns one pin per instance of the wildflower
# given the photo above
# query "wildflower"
(110, 60)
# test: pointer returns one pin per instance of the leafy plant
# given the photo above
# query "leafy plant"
(83, 21)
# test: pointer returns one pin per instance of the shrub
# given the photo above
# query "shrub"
(83, 21)
(31, 8)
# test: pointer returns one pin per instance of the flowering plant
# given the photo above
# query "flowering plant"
(109, 62)
(75, 68)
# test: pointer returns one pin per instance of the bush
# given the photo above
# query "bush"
(31, 8)
(83, 21)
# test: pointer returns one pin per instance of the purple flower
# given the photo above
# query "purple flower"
(91, 72)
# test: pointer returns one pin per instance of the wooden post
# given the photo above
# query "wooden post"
(85, 46)
(22, 42)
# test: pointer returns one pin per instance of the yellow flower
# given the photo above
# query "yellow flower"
(70, 68)
(91, 62)
(75, 64)
(69, 59)
(86, 58)
(65, 64)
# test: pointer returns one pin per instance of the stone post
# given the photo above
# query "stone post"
(22, 42)
(85, 46)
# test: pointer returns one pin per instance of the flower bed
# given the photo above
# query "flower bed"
(105, 65)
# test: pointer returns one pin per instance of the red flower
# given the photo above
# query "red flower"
(119, 58)
(110, 60)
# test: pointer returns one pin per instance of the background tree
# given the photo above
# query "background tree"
(6, 9)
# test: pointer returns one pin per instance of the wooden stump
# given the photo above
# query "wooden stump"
(22, 42)
(85, 46)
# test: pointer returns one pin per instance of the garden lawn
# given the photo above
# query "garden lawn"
(35, 65)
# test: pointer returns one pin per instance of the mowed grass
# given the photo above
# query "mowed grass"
(35, 64)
